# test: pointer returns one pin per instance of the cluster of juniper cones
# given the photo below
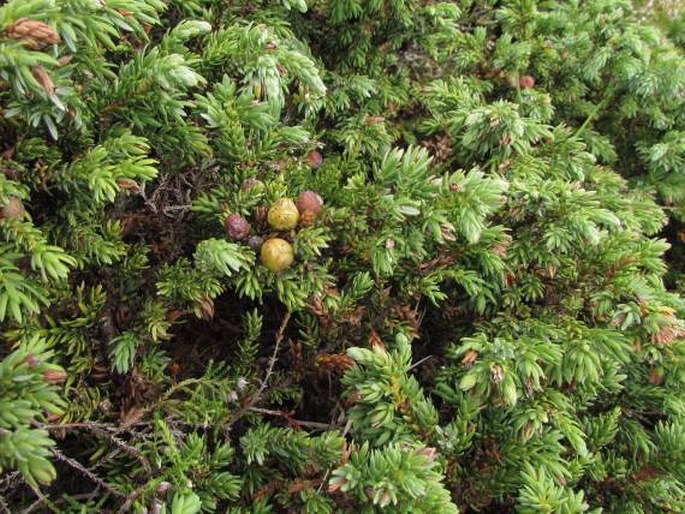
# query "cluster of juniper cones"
(284, 215)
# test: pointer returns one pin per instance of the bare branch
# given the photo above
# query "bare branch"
(88, 473)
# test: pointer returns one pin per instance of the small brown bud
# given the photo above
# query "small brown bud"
(497, 374)
(255, 242)
(333, 363)
(105, 406)
(447, 233)
(353, 398)
(128, 184)
(665, 336)
(41, 75)
(54, 376)
(375, 340)
(504, 166)
(206, 308)
(307, 219)
(237, 227)
(53, 416)
(64, 60)
(173, 315)
(469, 358)
(33, 33)
(250, 183)
(157, 507)
(32, 360)
(163, 488)
(335, 484)
(261, 214)
(551, 270)
(500, 250)
(655, 377)
(429, 453)
(9, 173)
(374, 120)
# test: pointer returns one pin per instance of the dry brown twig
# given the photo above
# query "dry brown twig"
(42, 499)
(272, 360)
(314, 425)
(131, 497)
(110, 433)
(251, 404)
(88, 473)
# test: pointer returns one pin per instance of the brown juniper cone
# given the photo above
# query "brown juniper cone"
(13, 210)
(315, 159)
(526, 82)
(33, 33)
(237, 227)
(309, 201)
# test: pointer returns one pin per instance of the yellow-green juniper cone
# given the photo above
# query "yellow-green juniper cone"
(283, 215)
(277, 254)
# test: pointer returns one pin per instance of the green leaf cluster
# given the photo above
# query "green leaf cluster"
(486, 315)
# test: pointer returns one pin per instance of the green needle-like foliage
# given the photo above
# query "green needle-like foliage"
(477, 307)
